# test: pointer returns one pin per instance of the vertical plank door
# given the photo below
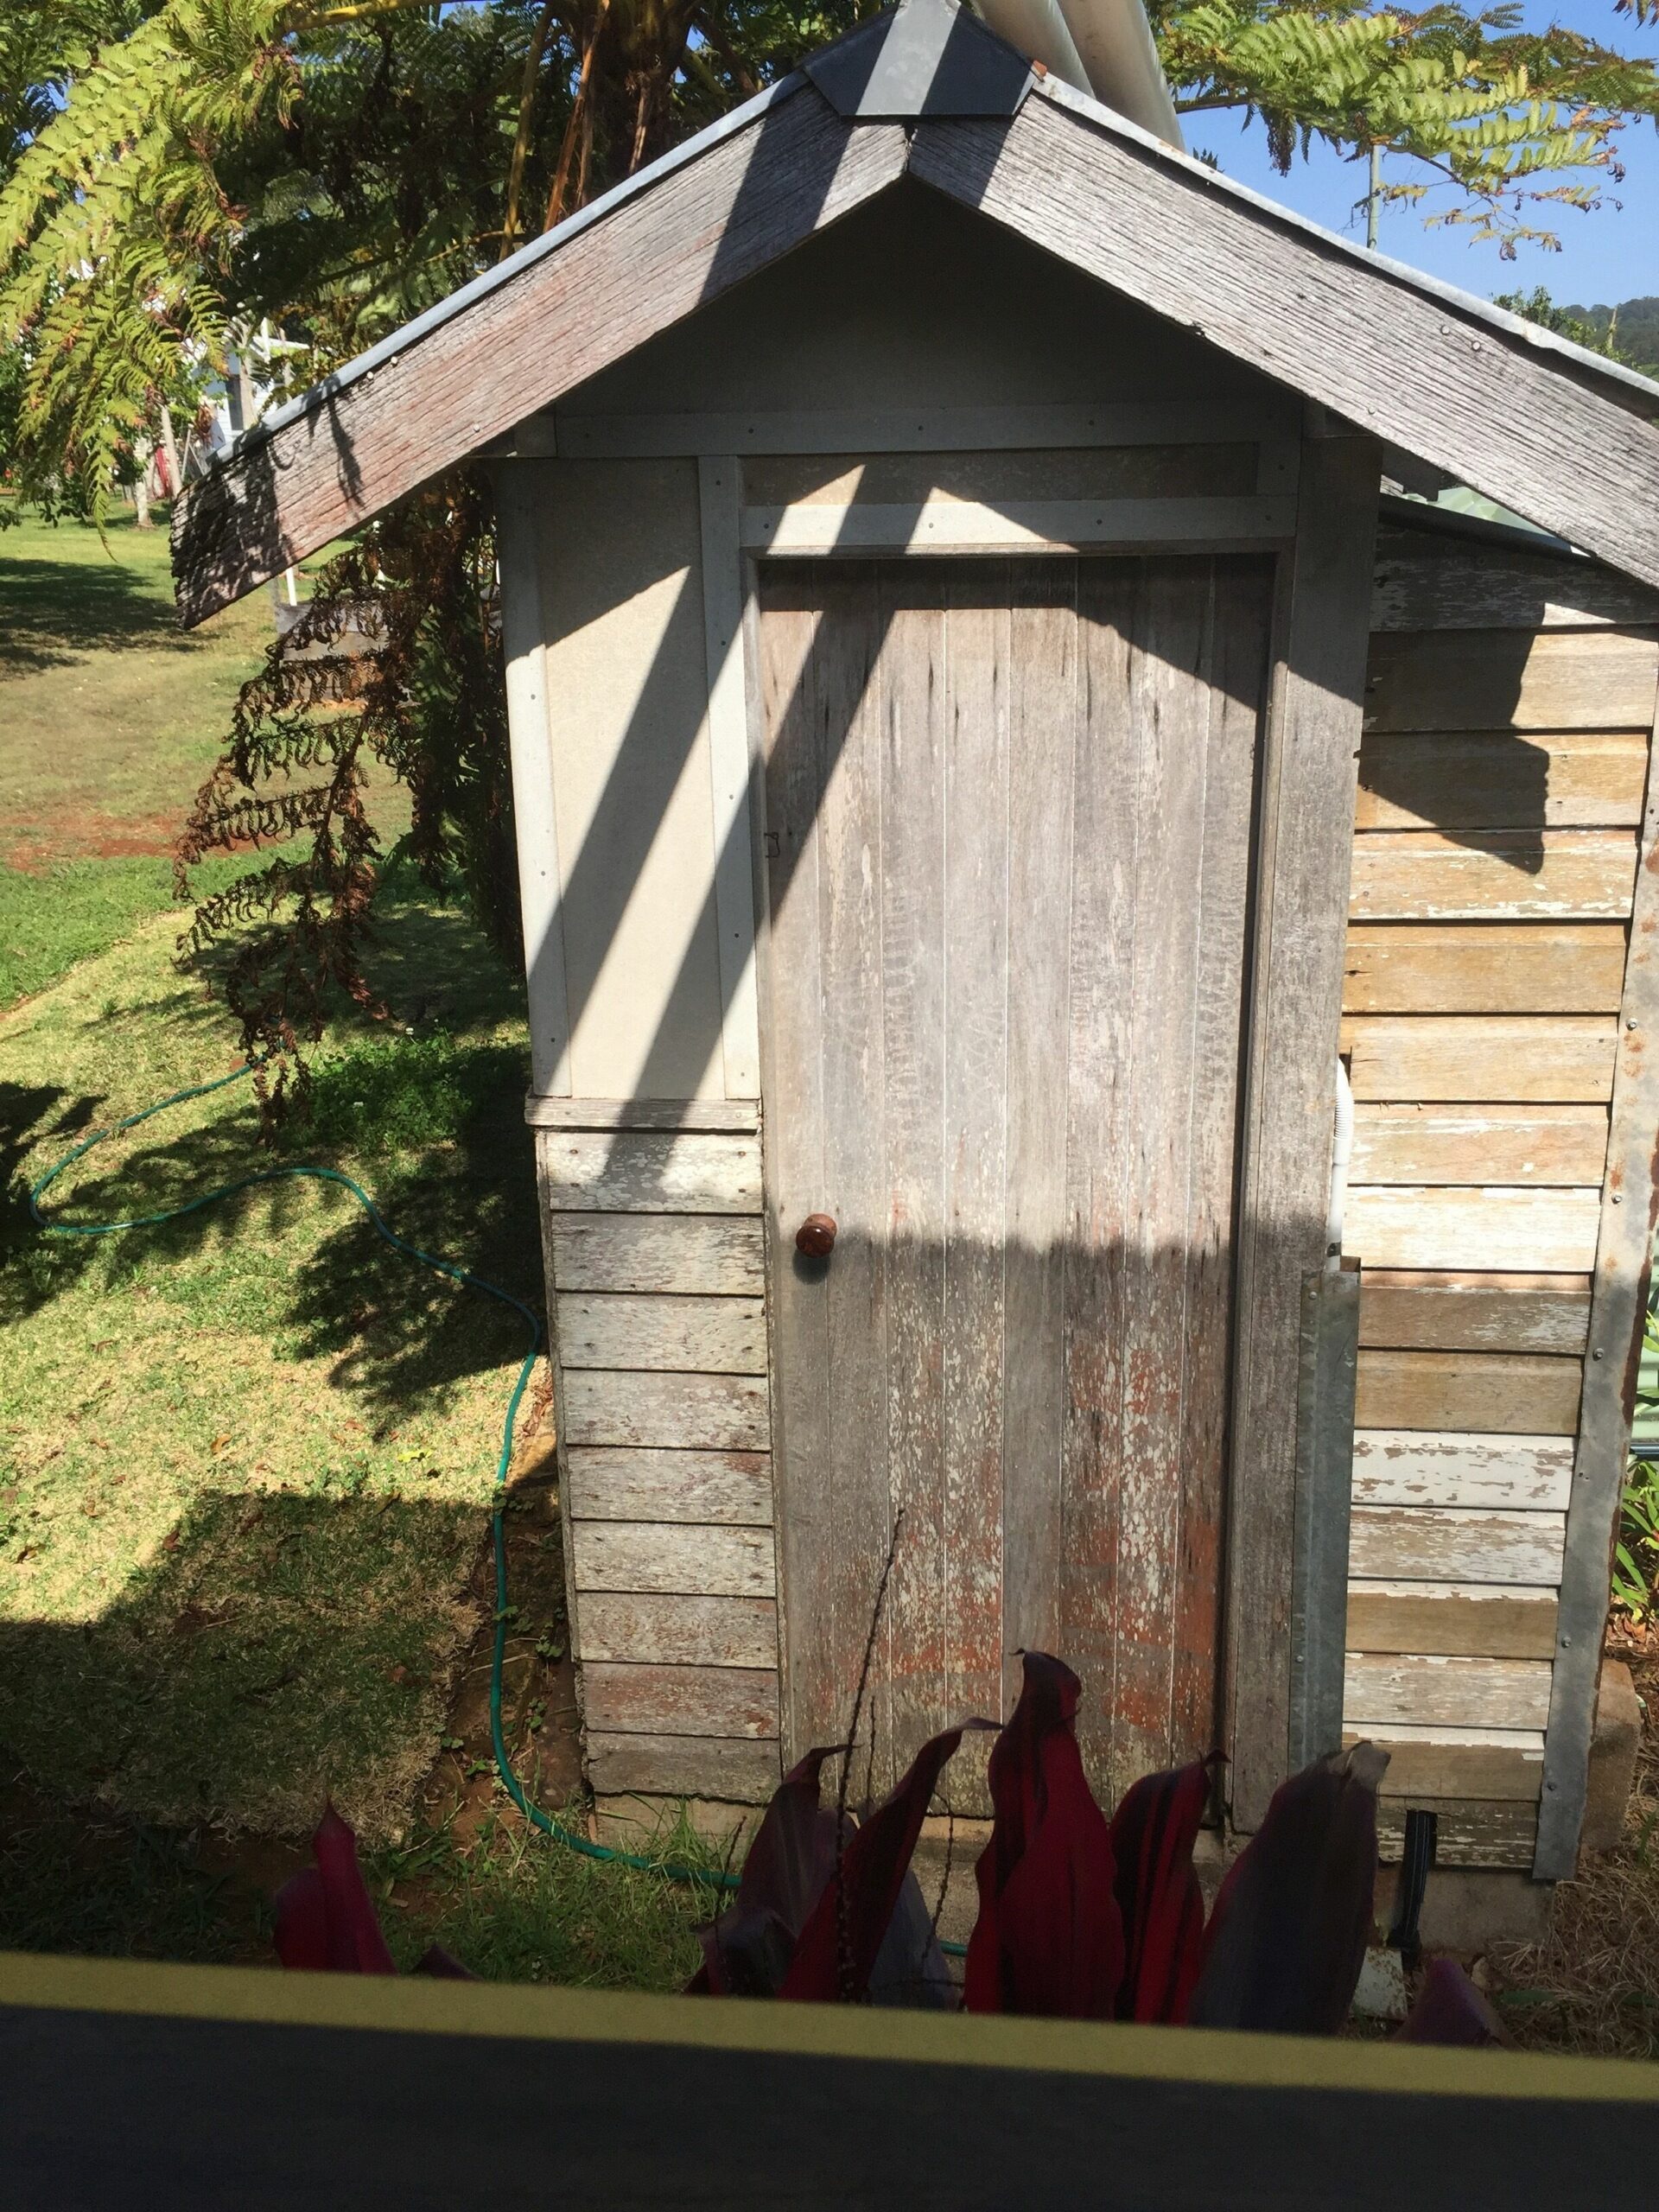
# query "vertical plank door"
(1009, 807)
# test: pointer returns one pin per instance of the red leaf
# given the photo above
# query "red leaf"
(873, 1865)
(325, 1916)
(1049, 1937)
(746, 1951)
(1286, 1939)
(442, 1965)
(1450, 2010)
(302, 1935)
(1153, 1833)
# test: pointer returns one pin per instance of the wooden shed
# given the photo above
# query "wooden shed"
(987, 748)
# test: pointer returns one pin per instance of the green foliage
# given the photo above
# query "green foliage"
(1567, 322)
(1501, 122)
(392, 1093)
(1636, 1553)
(1631, 325)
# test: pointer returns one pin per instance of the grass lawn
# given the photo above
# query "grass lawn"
(247, 1459)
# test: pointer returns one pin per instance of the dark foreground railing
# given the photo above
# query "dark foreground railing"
(132, 2086)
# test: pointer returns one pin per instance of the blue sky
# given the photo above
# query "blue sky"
(1611, 254)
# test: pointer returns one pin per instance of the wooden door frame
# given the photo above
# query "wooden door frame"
(1306, 782)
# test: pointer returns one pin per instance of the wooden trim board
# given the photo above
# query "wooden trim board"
(719, 495)
(1526, 967)
(595, 291)
(923, 429)
(1474, 1619)
(1309, 766)
(1629, 1213)
(1406, 1309)
(808, 530)
(742, 1115)
(1364, 341)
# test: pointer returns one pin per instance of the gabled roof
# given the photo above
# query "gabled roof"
(1562, 436)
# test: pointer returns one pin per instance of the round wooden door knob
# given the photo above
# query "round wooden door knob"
(816, 1236)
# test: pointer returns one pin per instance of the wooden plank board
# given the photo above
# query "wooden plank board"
(1419, 1543)
(739, 1114)
(1507, 679)
(700, 1256)
(1409, 1466)
(1513, 1393)
(666, 243)
(695, 1412)
(648, 1171)
(1407, 1309)
(1506, 1763)
(728, 1767)
(1484, 968)
(1520, 1146)
(1486, 1620)
(1382, 1688)
(1500, 780)
(1466, 1833)
(677, 1629)
(1426, 1058)
(607, 1483)
(711, 1335)
(642, 1699)
(1492, 875)
(1423, 583)
(641, 1555)
(1306, 800)
(1411, 1225)
(960, 526)
(1413, 368)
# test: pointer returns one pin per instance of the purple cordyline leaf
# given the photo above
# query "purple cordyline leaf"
(1048, 1938)
(326, 1919)
(840, 1944)
(1286, 1939)
(1153, 1833)
(746, 1951)
(1450, 2010)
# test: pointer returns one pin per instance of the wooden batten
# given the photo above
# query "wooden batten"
(1455, 680)
(1496, 1835)
(1409, 1466)
(1485, 967)
(1463, 1765)
(1457, 1619)
(1406, 1309)
(1413, 1543)
(676, 1628)
(1499, 780)
(1520, 1393)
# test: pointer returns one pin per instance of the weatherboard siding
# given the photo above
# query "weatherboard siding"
(1510, 704)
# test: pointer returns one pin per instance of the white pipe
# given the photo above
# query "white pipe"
(1341, 1151)
(1119, 56)
(1038, 29)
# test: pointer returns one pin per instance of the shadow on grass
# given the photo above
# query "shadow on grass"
(54, 611)
(274, 1651)
(390, 1329)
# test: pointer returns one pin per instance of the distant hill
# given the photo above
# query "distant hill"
(1637, 333)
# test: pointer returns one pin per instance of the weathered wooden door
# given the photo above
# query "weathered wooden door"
(1009, 810)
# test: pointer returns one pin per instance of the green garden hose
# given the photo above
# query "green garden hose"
(510, 1781)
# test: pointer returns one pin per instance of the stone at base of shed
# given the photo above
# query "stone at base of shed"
(1612, 1757)
(1468, 1909)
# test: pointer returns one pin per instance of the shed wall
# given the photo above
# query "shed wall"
(1510, 704)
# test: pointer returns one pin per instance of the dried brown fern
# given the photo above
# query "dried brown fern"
(397, 659)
